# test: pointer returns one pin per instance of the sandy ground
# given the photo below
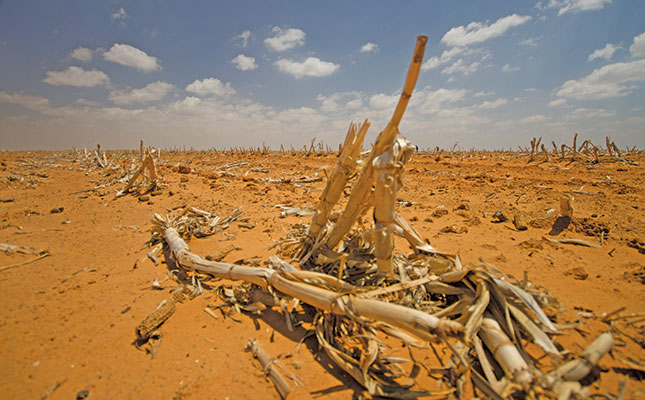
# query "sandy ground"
(67, 321)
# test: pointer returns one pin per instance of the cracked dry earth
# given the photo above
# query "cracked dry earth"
(67, 321)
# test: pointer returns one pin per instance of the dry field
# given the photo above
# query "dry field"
(68, 320)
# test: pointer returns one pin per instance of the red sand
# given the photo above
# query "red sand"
(67, 321)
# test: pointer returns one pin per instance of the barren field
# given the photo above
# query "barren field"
(68, 320)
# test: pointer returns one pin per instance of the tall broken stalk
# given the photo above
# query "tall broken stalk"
(386, 137)
(338, 179)
(387, 167)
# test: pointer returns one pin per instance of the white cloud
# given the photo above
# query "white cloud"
(37, 103)
(606, 82)
(638, 46)
(336, 102)
(210, 86)
(82, 54)
(311, 67)
(129, 56)
(76, 76)
(285, 39)
(119, 15)
(432, 101)
(152, 92)
(446, 57)
(491, 105)
(577, 5)
(587, 113)
(508, 68)
(462, 66)
(531, 42)
(557, 103)
(381, 101)
(243, 38)
(483, 94)
(606, 52)
(244, 63)
(369, 47)
(533, 119)
(477, 32)
(354, 104)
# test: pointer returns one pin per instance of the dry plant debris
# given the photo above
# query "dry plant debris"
(360, 297)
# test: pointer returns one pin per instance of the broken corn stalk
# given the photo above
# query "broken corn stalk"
(365, 181)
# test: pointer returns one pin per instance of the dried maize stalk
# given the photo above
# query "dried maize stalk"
(267, 364)
(506, 354)
(387, 167)
(338, 179)
(147, 165)
(301, 286)
(365, 181)
(579, 368)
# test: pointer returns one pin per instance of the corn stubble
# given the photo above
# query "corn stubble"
(474, 330)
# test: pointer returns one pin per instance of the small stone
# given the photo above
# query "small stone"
(184, 169)
(519, 220)
(500, 216)
(463, 206)
(440, 212)
(83, 394)
(454, 229)
(57, 210)
(578, 273)
(144, 198)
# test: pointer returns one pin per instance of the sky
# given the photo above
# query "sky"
(221, 74)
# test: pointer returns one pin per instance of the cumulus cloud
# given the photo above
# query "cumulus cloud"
(382, 101)
(577, 5)
(612, 80)
(588, 113)
(76, 76)
(638, 46)
(119, 15)
(37, 103)
(491, 105)
(557, 103)
(285, 39)
(464, 67)
(152, 92)
(311, 67)
(446, 57)
(483, 93)
(606, 52)
(432, 101)
(477, 32)
(129, 56)
(210, 87)
(369, 47)
(337, 102)
(533, 119)
(508, 68)
(244, 63)
(82, 54)
(243, 38)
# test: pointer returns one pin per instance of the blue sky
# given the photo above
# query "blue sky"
(218, 74)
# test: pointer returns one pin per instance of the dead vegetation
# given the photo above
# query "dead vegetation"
(359, 297)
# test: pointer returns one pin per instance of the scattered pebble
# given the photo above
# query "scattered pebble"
(500, 216)
(519, 220)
